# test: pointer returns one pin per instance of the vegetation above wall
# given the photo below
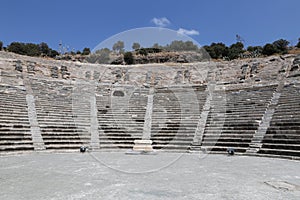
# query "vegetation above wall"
(139, 54)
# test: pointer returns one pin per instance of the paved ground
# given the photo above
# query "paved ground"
(162, 176)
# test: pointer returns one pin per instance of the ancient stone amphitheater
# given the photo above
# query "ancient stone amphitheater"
(249, 105)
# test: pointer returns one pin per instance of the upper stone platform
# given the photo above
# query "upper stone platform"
(236, 73)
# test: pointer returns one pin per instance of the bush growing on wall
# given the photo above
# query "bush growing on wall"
(128, 58)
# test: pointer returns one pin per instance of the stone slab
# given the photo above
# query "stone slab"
(168, 176)
(143, 145)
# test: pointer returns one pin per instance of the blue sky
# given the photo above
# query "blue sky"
(80, 24)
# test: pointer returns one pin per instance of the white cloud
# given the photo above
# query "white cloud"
(187, 32)
(161, 22)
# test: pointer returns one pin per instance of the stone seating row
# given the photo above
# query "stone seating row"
(175, 117)
(121, 113)
(53, 102)
(14, 123)
(236, 127)
(283, 135)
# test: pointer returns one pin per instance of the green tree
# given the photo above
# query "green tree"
(118, 46)
(16, 47)
(298, 44)
(179, 45)
(136, 46)
(210, 51)
(32, 49)
(157, 46)
(86, 51)
(1, 45)
(190, 46)
(235, 50)
(101, 56)
(28, 49)
(53, 53)
(142, 51)
(217, 50)
(128, 58)
(269, 49)
(44, 49)
(281, 45)
(257, 49)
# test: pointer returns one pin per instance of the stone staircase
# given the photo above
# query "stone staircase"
(14, 123)
(176, 112)
(121, 113)
(235, 127)
(260, 133)
(283, 135)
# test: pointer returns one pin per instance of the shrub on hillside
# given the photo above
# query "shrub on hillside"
(257, 49)
(101, 56)
(136, 46)
(146, 51)
(118, 47)
(86, 51)
(53, 53)
(281, 46)
(128, 58)
(298, 44)
(235, 50)
(179, 45)
(269, 49)
(31, 49)
(217, 50)
(16, 47)
(44, 49)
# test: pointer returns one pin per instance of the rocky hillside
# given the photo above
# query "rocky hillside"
(13, 69)
(164, 57)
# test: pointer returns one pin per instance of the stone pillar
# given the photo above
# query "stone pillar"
(145, 145)
(95, 143)
(35, 130)
(148, 118)
(203, 118)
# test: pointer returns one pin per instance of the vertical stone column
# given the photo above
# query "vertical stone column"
(35, 130)
(95, 143)
(203, 118)
(36, 135)
(145, 145)
(148, 118)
